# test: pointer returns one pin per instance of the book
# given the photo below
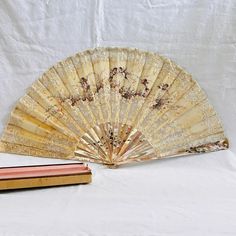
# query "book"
(20, 177)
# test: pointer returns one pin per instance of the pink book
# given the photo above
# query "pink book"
(44, 175)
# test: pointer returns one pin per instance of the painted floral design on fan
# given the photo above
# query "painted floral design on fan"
(87, 92)
(117, 71)
(73, 100)
(84, 84)
(144, 91)
(126, 93)
(163, 87)
(99, 86)
(145, 83)
(159, 103)
(215, 146)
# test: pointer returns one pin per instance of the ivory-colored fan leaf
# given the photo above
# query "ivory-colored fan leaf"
(113, 106)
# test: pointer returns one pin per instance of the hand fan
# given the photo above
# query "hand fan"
(113, 106)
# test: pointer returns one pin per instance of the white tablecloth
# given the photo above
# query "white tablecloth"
(181, 196)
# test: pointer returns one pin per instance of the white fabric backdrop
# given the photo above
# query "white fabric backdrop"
(182, 196)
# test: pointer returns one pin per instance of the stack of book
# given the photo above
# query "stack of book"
(44, 175)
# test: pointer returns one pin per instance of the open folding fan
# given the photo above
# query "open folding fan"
(113, 106)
